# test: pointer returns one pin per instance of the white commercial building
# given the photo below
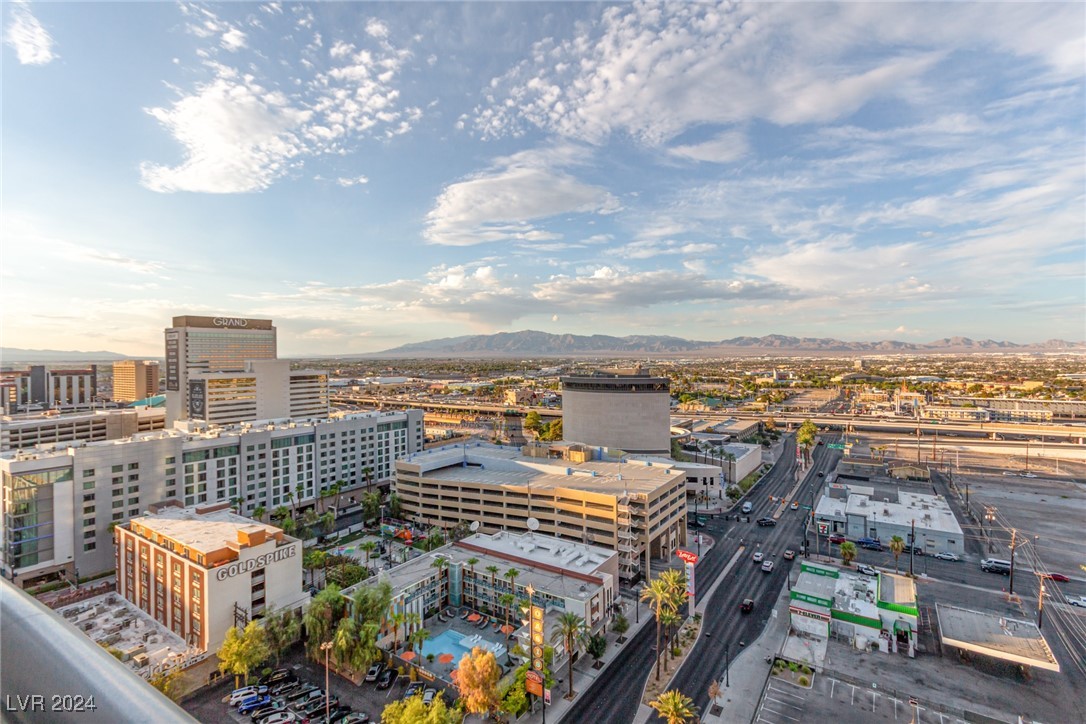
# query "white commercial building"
(198, 571)
(58, 502)
(50, 428)
(264, 390)
(856, 511)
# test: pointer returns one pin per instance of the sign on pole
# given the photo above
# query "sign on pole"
(533, 683)
(537, 640)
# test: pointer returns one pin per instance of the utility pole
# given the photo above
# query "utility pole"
(912, 546)
(1041, 603)
(989, 515)
(1014, 534)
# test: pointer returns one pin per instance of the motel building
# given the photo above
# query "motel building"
(200, 570)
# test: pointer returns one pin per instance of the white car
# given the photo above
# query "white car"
(375, 671)
(280, 717)
(237, 696)
(428, 696)
(947, 556)
(767, 567)
(795, 505)
(867, 570)
(757, 557)
(1080, 601)
(1026, 475)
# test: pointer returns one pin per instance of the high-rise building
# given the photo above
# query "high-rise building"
(41, 388)
(618, 409)
(134, 380)
(210, 344)
(264, 390)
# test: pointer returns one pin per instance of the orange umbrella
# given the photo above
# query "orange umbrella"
(454, 674)
(474, 617)
(445, 658)
(408, 655)
(507, 629)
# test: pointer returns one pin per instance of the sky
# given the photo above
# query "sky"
(369, 175)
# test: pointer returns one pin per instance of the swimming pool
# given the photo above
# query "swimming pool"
(451, 642)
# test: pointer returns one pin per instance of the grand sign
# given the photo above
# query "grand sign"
(230, 322)
(239, 567)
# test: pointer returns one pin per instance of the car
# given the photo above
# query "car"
(317, 706)
(286, 687)
(388, 677)
(767, 567)
(996, 565)
(766, 522)
(918, 551)
(757, 557)
(947, 556)
(748, 507)
(303, 693)
(747, 605)
(1026, 475)
(1057, 577)
(872, 546)
(359, 717)
(867, 570)
(267, 710)
(1009, 472)
(279, 678)
(789, 554)
(415, 687)
(695, 524)
(428, 696)
(304, 700)
(237, 696)
(375, 671)
(795, 505)
(253, 703)
(837, 538)
(339, 711)
(281, 717)
(273, 676)
(1080, 601)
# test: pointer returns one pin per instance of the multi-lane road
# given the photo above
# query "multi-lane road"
(616, 693)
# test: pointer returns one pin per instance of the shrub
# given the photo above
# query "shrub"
(793, 666)
(805, 670)
(676, 651)
(804, 681)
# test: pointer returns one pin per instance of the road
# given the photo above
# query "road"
(616, 694)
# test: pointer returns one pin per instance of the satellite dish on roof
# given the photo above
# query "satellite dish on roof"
(533, 524)
(474, 526)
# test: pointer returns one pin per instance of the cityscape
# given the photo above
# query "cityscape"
(527, 362)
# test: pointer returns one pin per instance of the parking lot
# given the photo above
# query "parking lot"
(207, 706)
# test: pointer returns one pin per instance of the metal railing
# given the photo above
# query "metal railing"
(54, 672)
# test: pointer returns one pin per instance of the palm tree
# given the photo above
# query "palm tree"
(848, 552)
(668, 618)
(335, 490)
(507, 600)
(471, 567)
(288, 525)
(675, 583)
(493, 571)
(441, 564)
(658, 598)
(327, 522)
(280, 513)
(412, 620)
(369, 547)
(570, 630)
(368, 472)
(293, 503)
(674, 706)
(897, 547)
(309, 521)
(512, 574)
(397, 619)
(258, 513)
(418, 638)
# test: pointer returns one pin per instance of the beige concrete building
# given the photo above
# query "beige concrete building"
(134, 380)
(30, 430)
(264, 390)
(198, 570)
(636, 508)
(618, 409)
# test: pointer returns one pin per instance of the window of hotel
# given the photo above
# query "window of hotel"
(89, 473)
(88, 521)
(133, 488)
(89, 546)
(88, 509)
(88, 486)
(118, 468)
(118, 503)
(118, 481)
(118, 516)
(133, 466)
(171, 460)
(133, 478)
(89, 534)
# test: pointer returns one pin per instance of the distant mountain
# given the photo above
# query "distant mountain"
(531, 343)
(10, 355)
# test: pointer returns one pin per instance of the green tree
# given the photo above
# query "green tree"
(325, 610)
(282, 629)
(327, 522)
(417, 638)
(477, 677)
(533, 422)
(309, 522)
(668, 618)
(370, 603)
(368, 547)
(848, 552)
(507, 600)
(674, 707)
(552, 431)
(657, 595)
(371, 505)
(512, 574)
(397, 619)
(312, 560)
(493, 571)
(805, 438)
(289, 526)
(570, 630)
(280, 513)
(258, 513)
(897, 547)
(243, 650)
(354, 645)
(395, 507)
(169, 683)
(413, 711)
(620, 625)
(596, 647)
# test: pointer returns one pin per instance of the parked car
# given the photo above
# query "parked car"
(287, 687)
(317, 706)
(996, 565)
(766, 522)
(747, 605)
(253, 703)
(267, 710)
(413, 688)
(281, 717)
(237, 696)
(789, 554)
(748, 507)
(917, 551)
(375, 671)
(275, 676)
(338, 712)
(757, 557)
(1080, 601)
(303, 692)
(693, 523)
(388, 677)
(1027, 475)
(867, 570)
(1058, 577)
(947, 556)
(767, 567)
(795, 505)
(837, 538)
(303, 700)
(428, 696)
(359, 717)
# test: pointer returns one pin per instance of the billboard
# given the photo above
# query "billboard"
(173, 362)
(197, 399)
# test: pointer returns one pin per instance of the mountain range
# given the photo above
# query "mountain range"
(543, 344)
(23, 356)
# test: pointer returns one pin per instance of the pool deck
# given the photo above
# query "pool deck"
(461, 626)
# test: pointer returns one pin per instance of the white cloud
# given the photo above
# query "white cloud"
(376, 29)
(507, 201)
(32, 43)
(354, 181)
(233, 40)
(723, 148)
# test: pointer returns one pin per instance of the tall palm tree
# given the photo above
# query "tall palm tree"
(418, 638)
(397, 619)
(512, 574)
(369, 547)
(658, 598)
(412, 620)
(293, 504)
(674, 706)
(493, 571)
(675, 582)
(848, 552)
(569, 629)
(335, 490)
(368, 472)
(258, 513)
(668, 618)
(507, 600)
(471, 567)
(897, 547)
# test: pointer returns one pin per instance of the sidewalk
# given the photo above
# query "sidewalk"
(748, 672)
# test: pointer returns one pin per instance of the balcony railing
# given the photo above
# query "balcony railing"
(55, 659)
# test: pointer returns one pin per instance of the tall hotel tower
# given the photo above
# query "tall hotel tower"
(210, 344)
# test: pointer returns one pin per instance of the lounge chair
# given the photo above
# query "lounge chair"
(465, 614)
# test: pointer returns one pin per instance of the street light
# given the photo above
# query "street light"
(326, 647)
(727, 678)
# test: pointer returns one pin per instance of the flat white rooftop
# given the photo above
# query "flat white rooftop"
(928, 511)
(202, 532)
(997, 636)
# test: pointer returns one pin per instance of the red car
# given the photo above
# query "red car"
(837, 539)
(1057, 577)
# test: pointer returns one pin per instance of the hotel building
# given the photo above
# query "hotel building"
(40, 388)
(48, 428)
(619, 410)
(637, 508)
(566, 577)
(134, 380)
(264, 390)
(198, 570)
(210, 344)
(58, 504)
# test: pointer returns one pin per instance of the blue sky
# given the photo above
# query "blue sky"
(369, 175)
